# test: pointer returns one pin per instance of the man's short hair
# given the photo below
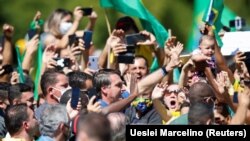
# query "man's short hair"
(15, 116)
(198, 91)
(49, 78)
(3, 95)
(16, 90)
(142, 57)
(118, 122)
(78, 79)
(5, 86)
(95, 125)
(199, 113)
(102, 78)
(51, 118)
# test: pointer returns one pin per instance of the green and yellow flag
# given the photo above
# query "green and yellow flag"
(136, 8)
(199, 8)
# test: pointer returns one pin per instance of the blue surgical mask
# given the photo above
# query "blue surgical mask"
(64, 27)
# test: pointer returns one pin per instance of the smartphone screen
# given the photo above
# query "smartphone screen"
(87, 38)
(133, 39)
(31, 33)
(72, 39)
(93, 62)
(75, 97)
(86, 11)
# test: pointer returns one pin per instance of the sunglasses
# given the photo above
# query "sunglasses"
(173, 91)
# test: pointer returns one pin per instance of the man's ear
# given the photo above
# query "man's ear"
(104, 90)
(16, 101)
(50, 90)
(25, 125)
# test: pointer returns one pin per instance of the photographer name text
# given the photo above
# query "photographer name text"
(189, 132)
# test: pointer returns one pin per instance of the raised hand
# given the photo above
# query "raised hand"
(78, 13)
(93, 16)
(151, 40)
(14, 78)
(158, 91)
(32, 45)
(8, 30)
(94, 106)
(169, 44)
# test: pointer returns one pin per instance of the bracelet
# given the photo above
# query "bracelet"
(164, 71)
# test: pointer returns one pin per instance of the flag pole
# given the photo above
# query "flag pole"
(109, 30)
(210, 9)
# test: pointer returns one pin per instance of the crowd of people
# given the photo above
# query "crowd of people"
(209, 91)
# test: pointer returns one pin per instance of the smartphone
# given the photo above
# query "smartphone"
(133, 39)
(87, 11)
(237, 23)
(62, 62)
(93, 62)
(72, 39)
(87, 38)
(127, 58)
(32, 33)
(75, 97)
(7, 69)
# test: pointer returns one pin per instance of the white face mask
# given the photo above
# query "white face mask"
(61, 92)
(64, 27)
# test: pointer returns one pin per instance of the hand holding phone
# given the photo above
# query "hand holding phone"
(87, 38)
(62, 62)
(75, 97)
(93, 62)
(133, 39)
(32, 33)
(87, 11)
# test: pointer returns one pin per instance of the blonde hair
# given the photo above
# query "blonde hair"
(52, 24)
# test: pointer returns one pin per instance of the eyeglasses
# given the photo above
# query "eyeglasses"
(177, 91)
(209, 99)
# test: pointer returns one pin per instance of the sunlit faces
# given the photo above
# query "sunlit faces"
(171, 97)
(28, 98)
(61, 85)
(207, 47)
(139, 68)
(32, 123)
(115, 88)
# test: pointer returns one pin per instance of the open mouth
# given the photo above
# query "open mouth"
(172, 104)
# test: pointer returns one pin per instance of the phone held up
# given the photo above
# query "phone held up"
(87, 11)
(93, 62)
(87, 38)
(131, 43)
(62, 62)
(75, 97)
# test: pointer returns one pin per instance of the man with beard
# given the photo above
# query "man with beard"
(21, 123)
